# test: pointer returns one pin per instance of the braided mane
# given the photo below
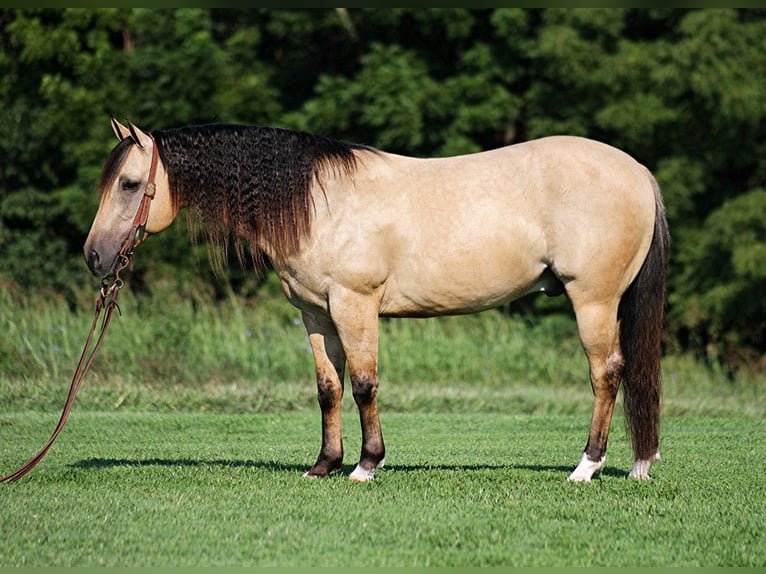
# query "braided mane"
(250, 181)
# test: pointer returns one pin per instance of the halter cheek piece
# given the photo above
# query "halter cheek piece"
(106, 302)
(142, 215)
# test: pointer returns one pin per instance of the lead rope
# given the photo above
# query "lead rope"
(106, 300)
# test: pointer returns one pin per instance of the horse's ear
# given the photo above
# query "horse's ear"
(119, 130)
(141, 138)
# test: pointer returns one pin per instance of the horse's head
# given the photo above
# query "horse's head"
(123, 184)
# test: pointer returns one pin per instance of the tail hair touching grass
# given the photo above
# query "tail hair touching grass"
(641, 314)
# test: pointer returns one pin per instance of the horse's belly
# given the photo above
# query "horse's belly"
(464, 289)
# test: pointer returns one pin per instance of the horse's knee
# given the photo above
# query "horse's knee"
(329, 393)
(364, 387)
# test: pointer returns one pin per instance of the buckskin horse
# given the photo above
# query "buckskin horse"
(355, 233)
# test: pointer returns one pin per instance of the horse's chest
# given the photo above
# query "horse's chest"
(303, 290)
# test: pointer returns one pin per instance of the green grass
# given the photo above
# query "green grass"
(475, 489)
(188, 440)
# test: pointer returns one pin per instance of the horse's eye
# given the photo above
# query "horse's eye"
(129, 186)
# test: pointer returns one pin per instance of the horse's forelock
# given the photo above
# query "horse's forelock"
(113, 163)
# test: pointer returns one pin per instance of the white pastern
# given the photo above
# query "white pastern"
(362, 475)
(586, 469)
(641, 468)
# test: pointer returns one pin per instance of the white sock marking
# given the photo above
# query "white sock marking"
(586, 469)
(641, 468)
(361, 475)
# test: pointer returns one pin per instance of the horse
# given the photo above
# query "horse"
(355, 233)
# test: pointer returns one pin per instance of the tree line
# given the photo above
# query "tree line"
(681, 90)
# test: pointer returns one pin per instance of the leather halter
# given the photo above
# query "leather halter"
(142, 215)
(107, 300)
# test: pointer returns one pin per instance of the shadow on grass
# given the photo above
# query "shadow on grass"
(606, 471)
(101, 463)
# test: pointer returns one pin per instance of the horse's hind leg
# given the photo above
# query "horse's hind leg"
(599, 333)
(329, 361)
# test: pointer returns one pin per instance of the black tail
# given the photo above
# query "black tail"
(641, 314)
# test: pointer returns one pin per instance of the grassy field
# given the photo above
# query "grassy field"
(477, 489)
(187, 444)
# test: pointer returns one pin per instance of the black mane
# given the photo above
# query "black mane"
(250, 180)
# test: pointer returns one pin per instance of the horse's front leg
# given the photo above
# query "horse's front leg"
(365, 388)
(329, 360)
(356, 319)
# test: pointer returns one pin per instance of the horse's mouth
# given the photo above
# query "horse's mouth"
(96, 266)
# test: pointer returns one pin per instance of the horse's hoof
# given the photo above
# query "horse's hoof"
(362, 475)
(574, 477)
(640, 470)
(586, 469)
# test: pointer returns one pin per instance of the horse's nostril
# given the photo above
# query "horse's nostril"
(93, 260)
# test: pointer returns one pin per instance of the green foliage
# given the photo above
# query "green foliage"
(173, 54)
(248, 94)
(681, 90)
(719, 306)
(395, 114)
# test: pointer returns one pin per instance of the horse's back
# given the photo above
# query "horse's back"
(525, 182)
